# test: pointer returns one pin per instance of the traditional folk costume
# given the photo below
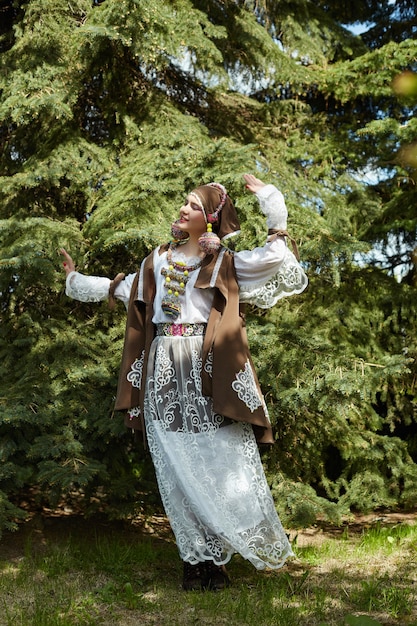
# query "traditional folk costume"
(189, 383)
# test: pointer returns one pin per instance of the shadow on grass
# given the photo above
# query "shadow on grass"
(78, 572)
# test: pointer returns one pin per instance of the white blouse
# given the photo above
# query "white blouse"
(265, 274)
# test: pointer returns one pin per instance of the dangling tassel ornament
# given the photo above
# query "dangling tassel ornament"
(177, 233)
(209, 242)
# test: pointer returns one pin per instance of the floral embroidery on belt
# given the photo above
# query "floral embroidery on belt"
(180, 330)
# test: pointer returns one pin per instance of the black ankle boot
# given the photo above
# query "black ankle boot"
(216, 577)
(194, 577)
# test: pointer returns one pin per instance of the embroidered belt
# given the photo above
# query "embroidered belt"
(180, 330)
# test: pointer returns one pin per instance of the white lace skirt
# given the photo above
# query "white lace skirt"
(208, 467)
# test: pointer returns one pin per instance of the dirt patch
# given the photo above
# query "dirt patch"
(317, 534)
(41, 529)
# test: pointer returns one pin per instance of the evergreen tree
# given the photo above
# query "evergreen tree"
(110, 111)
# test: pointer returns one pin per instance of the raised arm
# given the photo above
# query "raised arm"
(272, 203)
(270, 272)
(94, 288)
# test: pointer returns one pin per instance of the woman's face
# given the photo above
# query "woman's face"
(192, 217)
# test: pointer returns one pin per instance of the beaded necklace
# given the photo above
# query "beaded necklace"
(176, 278)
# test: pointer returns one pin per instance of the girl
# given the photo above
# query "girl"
(188, 382)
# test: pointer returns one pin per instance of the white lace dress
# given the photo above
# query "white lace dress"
(208, 467)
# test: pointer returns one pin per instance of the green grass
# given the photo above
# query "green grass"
(84, 572)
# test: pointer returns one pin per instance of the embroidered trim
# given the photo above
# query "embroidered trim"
(180, 330)
(135, 374)
(140, 284)
(289, 280)
(208, 365)
(217, 267)
(135, 412)
(246, 389)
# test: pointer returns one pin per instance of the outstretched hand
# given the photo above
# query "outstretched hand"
(252, 183)
(68, 264)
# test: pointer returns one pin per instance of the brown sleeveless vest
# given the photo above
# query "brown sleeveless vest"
(225, 344)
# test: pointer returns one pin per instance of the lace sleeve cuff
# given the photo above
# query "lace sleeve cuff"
(87, 288)
(289, 280)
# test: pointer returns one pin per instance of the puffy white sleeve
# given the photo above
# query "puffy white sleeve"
(96, 288)
(270, 272)
(273, 205)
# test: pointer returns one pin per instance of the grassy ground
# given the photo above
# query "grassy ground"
(71, 571)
